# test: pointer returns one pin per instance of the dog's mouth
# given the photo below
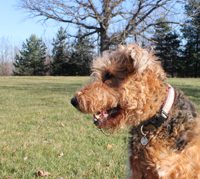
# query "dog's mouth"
(105, 116)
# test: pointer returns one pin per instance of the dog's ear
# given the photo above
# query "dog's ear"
(142, 59)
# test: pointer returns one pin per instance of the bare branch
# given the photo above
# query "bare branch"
(112, 20)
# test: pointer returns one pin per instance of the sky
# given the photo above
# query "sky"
(17, 27)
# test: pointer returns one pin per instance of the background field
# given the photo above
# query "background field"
(39, 130)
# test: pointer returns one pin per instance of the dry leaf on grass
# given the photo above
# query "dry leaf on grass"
(109, 146)
(8, 177)
(60, 154)
(41, 173)
(25, 158)
(62, 125)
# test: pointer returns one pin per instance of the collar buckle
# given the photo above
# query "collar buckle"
(164, 114)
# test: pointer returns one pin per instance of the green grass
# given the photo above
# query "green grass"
(190, 87)
(38, 124)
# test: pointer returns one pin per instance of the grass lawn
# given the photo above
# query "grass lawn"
(40, 130)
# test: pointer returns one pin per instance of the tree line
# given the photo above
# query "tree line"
(66, 59)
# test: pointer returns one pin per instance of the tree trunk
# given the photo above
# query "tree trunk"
(104, 40)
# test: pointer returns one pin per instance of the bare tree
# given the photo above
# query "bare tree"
(113, 21)
(7, 55)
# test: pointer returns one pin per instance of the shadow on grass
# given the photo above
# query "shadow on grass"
(189, 90)
(192, 92)
(50, 87)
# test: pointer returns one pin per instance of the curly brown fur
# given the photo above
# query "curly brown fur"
(129, 88)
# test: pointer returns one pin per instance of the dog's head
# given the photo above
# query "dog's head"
(125, 87)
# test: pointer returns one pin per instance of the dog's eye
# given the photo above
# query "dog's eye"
(107, 76)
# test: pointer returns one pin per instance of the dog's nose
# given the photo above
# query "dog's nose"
(74, 102)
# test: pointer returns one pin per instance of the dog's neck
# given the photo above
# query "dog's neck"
(182, 116)
(156, 121)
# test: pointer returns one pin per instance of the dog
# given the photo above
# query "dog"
(128, 88)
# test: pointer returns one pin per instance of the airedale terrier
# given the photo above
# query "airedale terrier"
(129, 87)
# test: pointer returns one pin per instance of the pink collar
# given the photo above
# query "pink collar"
(168, 102)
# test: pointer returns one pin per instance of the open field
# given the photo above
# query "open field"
(39, 130)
